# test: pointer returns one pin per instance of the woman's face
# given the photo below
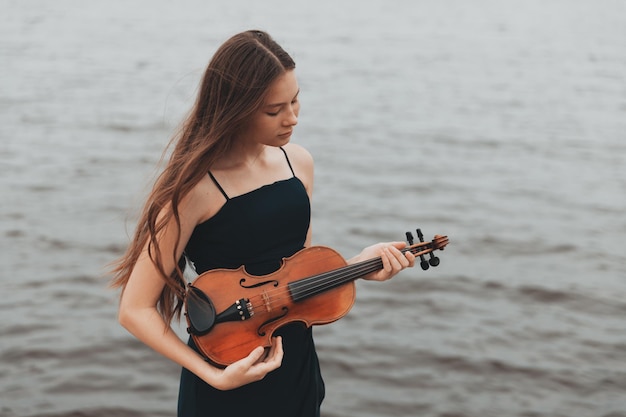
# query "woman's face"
(273, 123)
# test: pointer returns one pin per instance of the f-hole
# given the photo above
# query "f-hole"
(260, 332)
(258, 284)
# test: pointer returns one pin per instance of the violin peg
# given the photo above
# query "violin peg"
(433, 261)
(423, 262)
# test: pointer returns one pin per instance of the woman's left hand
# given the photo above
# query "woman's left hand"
(393, 259)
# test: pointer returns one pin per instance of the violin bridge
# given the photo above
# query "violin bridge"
(266, 301)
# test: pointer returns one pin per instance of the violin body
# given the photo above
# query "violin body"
(230, 312)
(271, 303)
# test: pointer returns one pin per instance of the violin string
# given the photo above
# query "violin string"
(310, 286)
(319, 283)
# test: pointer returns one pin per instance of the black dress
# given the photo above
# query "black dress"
(258, 229)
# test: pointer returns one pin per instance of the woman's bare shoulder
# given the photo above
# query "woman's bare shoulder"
(300, 156)
(302, 163)
(203, 201)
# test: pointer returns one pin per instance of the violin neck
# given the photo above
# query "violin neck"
(317, 284)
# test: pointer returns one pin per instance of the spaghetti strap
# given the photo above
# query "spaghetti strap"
(289, 163)
(217, 184)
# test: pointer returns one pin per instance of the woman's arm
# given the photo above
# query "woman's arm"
(139, 315)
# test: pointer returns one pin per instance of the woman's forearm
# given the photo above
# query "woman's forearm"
(147, 325)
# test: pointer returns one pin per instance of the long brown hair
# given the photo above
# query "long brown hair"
(232, 89)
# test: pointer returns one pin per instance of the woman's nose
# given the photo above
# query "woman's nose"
(291, 118)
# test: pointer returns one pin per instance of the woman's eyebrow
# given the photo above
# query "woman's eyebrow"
(281, 104)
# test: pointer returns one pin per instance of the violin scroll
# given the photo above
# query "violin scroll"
(440, 242)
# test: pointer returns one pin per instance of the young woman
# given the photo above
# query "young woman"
(233, 175)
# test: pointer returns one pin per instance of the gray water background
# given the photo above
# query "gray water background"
(501, 124)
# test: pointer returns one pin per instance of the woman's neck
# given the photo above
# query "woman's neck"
(242, 157)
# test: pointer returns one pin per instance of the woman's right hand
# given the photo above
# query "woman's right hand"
(252, 368)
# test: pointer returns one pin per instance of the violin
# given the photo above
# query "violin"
(230, 312)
